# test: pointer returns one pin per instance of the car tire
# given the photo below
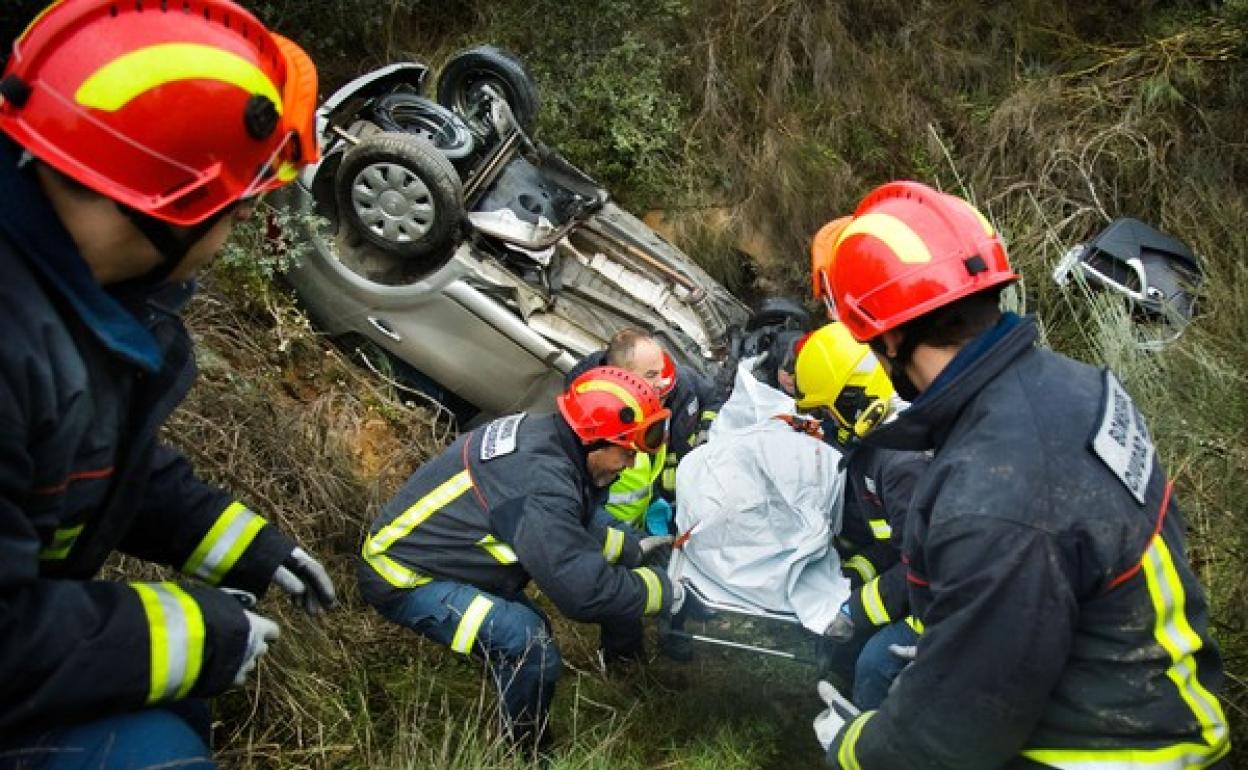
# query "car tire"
(400, 194)
(407, 113)
(461, 81)
(782, 312)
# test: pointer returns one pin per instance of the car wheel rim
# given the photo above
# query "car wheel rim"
(392, 202)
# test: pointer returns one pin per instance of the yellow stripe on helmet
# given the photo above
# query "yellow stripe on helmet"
(113, 85)
(616, 390)
(895, 234)
(983, 220)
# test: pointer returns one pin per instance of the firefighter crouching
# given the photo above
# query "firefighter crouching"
(451, 554)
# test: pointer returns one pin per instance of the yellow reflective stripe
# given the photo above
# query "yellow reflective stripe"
(470, 624)
(441, 496)
(195, 639)
(501, 552)
(668, 479)
(863, 566)
(881, 529)
(614, 545)
(846, 756)
(175, 639)
(113, 85)
(630, 494)
(708, 415)
(1175, 634)
(877, 613)
(616, 390)
(896, 235)
(62, 541)
(915, 624)
(1180, 756)
(231, 534)
(654, 589)
(394, 573)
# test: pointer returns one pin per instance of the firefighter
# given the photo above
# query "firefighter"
(1063, 625)
(451, 554)
(134, 136)
(693, 407)
(840, 382)
(642, 498)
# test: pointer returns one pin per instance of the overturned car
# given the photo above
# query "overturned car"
(481, 263)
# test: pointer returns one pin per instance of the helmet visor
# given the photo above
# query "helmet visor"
(649, 435)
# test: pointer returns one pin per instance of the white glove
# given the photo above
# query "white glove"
(678, 597)
(306, 581)
(653, 546)
(261, 632)
(908, 653)
(830, 721)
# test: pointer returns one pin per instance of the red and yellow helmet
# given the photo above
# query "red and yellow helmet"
(821, 258)
(613, 405)
(907, 251)
(174, 108)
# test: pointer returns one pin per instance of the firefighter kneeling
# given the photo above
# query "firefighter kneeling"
(451, 554)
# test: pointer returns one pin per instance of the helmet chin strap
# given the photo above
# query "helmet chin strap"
(172, 243)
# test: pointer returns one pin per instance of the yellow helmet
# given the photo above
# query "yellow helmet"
(838, 373)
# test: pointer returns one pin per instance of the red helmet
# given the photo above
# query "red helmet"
(174, 108)
(667, 377)
(821, 258)
(908, 251)
(610, 404)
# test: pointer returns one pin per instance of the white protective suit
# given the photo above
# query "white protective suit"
(764, 502)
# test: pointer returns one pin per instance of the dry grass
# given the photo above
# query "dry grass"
(1055, 119)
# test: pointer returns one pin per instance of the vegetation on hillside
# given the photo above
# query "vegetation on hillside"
(1054, 117)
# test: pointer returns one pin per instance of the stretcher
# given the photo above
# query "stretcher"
(799, 644)
(758, 504)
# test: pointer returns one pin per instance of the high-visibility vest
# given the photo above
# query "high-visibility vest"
(630, 495)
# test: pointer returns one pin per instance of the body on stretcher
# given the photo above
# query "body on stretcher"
(759, 504)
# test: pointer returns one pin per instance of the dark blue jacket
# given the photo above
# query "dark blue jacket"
(85, 385)
(506, 503)
(879, 484)
(1063, 623)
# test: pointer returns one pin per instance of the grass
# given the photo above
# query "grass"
(1054, 119)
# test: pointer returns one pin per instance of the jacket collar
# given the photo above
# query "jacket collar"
(32, 226)
(927, 422)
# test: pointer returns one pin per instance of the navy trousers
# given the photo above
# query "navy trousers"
(511, 635)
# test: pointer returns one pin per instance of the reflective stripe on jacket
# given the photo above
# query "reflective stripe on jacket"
(630, 495)
(1063, 625)
(508, 502)
(85, 385)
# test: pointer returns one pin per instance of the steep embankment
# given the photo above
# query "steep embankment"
(746, 121)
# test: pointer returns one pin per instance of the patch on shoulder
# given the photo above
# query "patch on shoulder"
(499, 437)
(1122, 440)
